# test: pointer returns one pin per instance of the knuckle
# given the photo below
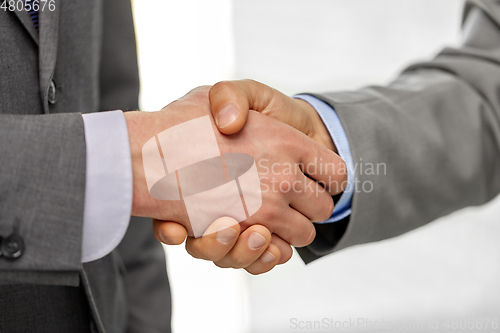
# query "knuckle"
(253, 271)
(199, 93)
(201, 90)
(285, 255)
(340, 180)
(327, 210)
(269, 214)
(220, 264)
(304, 238)
(220, 87)
(209, 253)
(251, 81)
(217, 256)
(197, 249)
(273, 218)
(286, 258)
(239, 262)
(191, 250)
(311, 236)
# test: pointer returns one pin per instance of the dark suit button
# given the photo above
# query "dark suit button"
(12, 246)
(52, 95)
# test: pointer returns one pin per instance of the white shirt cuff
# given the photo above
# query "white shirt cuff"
(108, 185)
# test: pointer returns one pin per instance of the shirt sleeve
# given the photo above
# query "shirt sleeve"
(108, 184)
(332, 122)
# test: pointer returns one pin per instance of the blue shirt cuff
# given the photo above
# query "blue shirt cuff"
(108, 183)
(334, 126)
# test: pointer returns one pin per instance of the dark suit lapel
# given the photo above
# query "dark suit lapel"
(49, 29)
(25, 19)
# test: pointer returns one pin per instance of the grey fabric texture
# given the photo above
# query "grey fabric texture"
(437, 131)
(88, 48)
(42, 165)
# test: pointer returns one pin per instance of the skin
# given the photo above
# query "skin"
(285, 218)
(246, 95)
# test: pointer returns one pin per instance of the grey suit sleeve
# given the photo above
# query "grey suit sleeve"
(429, 143)
(145, 274)
(42, 185)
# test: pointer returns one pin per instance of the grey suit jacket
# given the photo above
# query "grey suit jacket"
(87, 49)
(434, 132)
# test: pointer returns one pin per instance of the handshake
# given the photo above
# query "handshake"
(289, 184)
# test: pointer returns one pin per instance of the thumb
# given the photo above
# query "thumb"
(230, 102)
(170, 233)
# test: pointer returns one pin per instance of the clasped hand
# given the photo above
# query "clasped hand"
(296, 160)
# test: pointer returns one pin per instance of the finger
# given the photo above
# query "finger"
(230, 102)
(324, 166)
(170, 233)
(311, 199)
(249, 247)
(266, 261)
(298, 230)
(217, 240)
(284, 248)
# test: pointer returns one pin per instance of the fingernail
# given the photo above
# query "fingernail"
(268, 257)
(256, 241)
(227, 116)
(226, 235)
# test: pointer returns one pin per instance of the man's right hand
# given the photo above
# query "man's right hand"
(232, 101)
(286, 212)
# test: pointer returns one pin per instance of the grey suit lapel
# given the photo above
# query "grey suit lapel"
(49, 29)
(25, 19)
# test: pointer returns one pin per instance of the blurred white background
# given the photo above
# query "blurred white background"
(448, 269)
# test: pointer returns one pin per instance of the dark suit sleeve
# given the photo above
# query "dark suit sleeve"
(145, 279)
(432, 138)
(119, 74)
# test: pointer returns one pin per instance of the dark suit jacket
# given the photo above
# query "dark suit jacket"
(86, 49)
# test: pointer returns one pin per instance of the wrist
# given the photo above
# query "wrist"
(139, 127)
(318, 131)
(142, 126)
